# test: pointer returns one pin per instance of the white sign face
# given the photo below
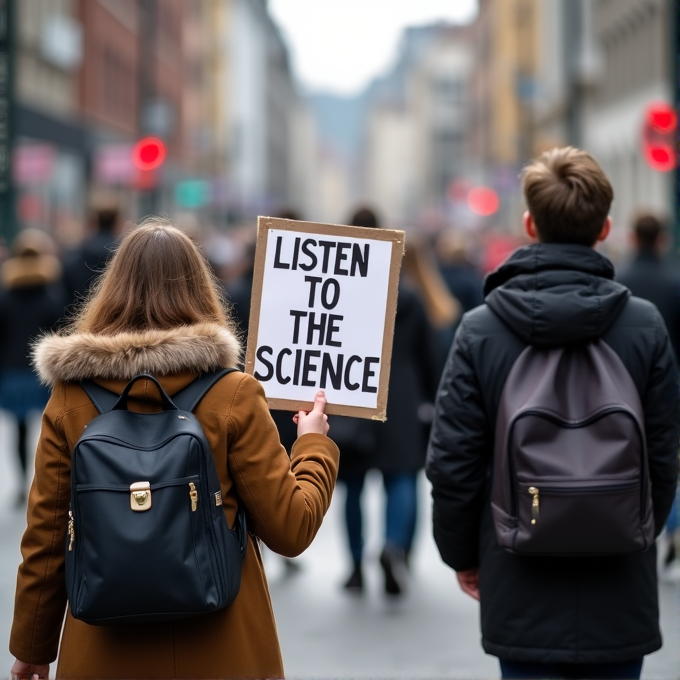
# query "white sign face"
(322, 316)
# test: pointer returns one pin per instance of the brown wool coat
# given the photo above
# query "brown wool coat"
(285, 500)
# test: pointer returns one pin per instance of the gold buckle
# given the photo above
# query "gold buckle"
(140, 496)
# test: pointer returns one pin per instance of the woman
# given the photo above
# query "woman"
(157, 309)
(32, 300)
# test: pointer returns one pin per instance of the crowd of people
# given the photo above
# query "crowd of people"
(457, 336)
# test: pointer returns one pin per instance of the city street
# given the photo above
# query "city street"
(325, 633)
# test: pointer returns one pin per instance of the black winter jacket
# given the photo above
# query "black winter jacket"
(550, 609)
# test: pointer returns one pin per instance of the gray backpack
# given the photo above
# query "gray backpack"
(570, 459)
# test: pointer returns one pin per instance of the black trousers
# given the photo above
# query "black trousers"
(622, 670)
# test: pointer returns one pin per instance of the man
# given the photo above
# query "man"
(552, 617)
(84, 264)
(650, 278)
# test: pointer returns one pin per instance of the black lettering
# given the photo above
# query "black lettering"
(368, 373)
(309, 367)
(332, 328)
(270, 369)
(296, 370)
(313, 280)
(320, 327)
(277, 256)
(352, 360)
(279, 360)
(326, 245)
(310, 254)
(296, 253)
(359, 261)
(330, 371)
(324, 293)
(340, 256)
(296, 327)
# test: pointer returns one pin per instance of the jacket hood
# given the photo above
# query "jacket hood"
(198, 348)
(556, 294)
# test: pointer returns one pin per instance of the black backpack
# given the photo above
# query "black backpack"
(147, 536)
(570, 459)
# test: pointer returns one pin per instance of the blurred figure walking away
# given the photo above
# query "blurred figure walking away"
(82, 265)
(397, 447)
(650, 278)
(32, 301)
(460, 275)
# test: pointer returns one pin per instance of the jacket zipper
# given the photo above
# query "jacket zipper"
(556, 490)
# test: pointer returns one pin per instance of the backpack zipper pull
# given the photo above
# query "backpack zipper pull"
(534, 504)
(71, 531)
(193, 494)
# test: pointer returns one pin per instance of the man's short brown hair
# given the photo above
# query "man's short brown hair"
(568, 196)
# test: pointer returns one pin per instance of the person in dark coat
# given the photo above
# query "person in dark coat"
(31, 301)
(397, 447)
(648, 276)
(84, 264)
(552, 617)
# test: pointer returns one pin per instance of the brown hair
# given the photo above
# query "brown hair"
(157, 279)
(648, 228)
(568, 196)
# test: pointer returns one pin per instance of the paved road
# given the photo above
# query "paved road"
(430, 633)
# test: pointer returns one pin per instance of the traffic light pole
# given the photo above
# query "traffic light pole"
(147, 85)
(8, 224)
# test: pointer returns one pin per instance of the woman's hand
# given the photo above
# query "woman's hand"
(29, 671)
(316, 421)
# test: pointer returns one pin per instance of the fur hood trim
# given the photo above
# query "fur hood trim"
(198, 348)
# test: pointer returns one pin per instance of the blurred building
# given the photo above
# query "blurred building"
(263, 113)
(50, 154)
(416, 124)
(502, 89)
(602, 63)
(210, 78)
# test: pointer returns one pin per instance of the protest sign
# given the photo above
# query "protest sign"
(322, 315)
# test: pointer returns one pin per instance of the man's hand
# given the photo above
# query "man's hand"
(316, 421)
(29, 671)
(469, 582)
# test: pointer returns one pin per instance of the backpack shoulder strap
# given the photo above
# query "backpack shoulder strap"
(188, 398)
(103, 399)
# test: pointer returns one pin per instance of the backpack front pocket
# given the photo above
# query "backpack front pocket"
(580, 517)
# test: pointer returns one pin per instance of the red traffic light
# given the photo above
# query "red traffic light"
(483, 201)
(659, 137)
(148, 153)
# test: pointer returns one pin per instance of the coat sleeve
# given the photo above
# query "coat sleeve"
(662, 421)
(286, 499)
(458, 458)
(40, 600)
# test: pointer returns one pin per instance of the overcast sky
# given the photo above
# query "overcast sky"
(340, 45)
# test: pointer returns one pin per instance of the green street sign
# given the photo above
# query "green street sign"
(192, 193)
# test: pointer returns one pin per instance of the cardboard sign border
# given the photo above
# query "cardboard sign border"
(397, 238)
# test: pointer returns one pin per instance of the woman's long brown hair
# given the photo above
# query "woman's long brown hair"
(156, 280)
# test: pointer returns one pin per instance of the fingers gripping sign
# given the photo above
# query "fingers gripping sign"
(314, 421)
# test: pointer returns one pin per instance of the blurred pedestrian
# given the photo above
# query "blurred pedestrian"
(157, 309)
(649, 276)
(459, 273)
(82, 265)
(31, 302)
(396, 448)
(547, 616)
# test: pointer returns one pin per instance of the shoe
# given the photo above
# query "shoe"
(670, 573)
(291, 566)
(355, 582)
(394, 565)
